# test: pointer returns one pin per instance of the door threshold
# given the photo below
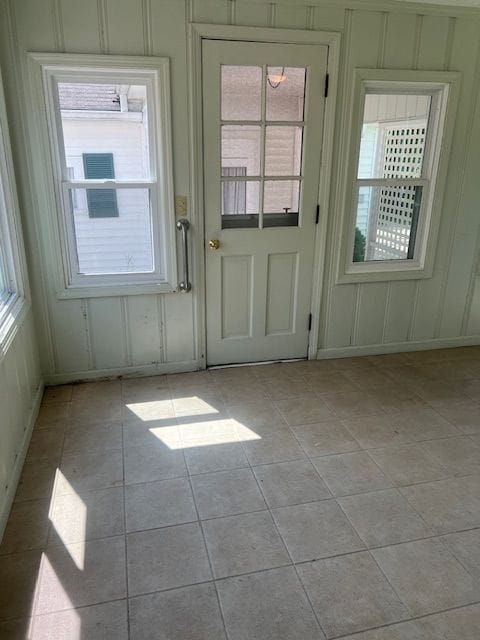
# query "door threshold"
(253, 364)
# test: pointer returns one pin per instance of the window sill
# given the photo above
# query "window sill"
(107, 291)
(379, 272)
(11, 319)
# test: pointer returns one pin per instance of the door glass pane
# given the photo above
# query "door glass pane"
(241, 148)
(109, 244)
(283, 151)
(241, 92)
(393, 136)
(240, 197)
(281, 196)
(285, 92)
(105, 119)
(386, 223)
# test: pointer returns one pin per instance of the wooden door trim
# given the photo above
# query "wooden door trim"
(196, 33)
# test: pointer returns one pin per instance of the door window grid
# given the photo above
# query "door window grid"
(264, 218)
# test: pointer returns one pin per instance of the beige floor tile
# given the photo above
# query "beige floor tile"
(226, 493)
(325, 438)
(204, 457)
(350, 594)
(396, 398)
(462, 623)
(106, 621)
(96, 410)
(21, 629)
(147, 464)
(244, 543)
(159, 504)
(83, 439)
(465, 416)
(441, 393)
(408, 464)
(148, 412)
(90, 471)
(180, 614)
(256, 414)
(145, 389)
(272, 446)
(472, 388)
(97, 391)
(46, 444)
(350, 473)
(460, 456)
(84, 516)
(316, 530)
(447, 505)
(62, 393)
(37, 480)
(368, 378)
(383, 518)
(81, 574)
(270, 605)
(229, 375)
(215, 430)
(399, 428)
(19, 576)
(53, 415)
(351, 364)
(235, 394)
(207, 405)
(402, 631)
(354, 403)
(288, 388)
(303, 410)
(287, 483)
(27, 527)
(158, 434)
(465, 546)
(426, 576)
(328, 382)
(183, 380)
(166, 558)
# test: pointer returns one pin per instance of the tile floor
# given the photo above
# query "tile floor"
(296, 501)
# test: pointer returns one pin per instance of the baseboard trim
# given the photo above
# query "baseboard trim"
(397, 347)
(17, 469)
(122, 372)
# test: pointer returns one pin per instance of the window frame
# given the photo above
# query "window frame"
(443, 87)
(45, 71)
(16, 302)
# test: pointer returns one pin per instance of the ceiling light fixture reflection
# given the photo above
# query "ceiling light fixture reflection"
(276, 79)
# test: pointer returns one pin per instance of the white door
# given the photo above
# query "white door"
(263, 110)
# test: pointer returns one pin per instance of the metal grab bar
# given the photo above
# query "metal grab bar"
(182, 225)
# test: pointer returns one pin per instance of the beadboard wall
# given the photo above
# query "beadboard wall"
(98, 337)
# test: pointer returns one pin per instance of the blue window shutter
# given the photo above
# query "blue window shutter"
(102, 203)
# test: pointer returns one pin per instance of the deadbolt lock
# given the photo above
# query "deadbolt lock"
(214, 244)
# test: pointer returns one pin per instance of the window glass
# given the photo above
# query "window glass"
(241, 92)
(283, 151)
(241, 147)
(105, 119)
(285, 93)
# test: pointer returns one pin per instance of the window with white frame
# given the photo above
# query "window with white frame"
(109, 125)
(12, 286)
(401, 123)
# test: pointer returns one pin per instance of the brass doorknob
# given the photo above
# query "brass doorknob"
(214, 244)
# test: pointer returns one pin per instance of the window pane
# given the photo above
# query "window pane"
(105, 119)
(241, 92)
(107, 244)
(241, 148)
(240, 197)
(285, 93)
(386, 223)
(281, 196)
(393, 136)
(283, 151)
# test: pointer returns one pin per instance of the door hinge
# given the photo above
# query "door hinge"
(317, 215)
(309, 321)
(327, 80)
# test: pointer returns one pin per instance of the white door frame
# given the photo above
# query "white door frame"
(198, 32)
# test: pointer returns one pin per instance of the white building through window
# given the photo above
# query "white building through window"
(110, 141)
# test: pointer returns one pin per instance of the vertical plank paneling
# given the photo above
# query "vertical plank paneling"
(400, 41)
(328, 19)
(143, 330)
(35, 25)
(251, 14)
(339, 323)
(291, 16)
(433, 43)
(214, 11)
(125, 27)
(371, 313)
(178, 332)
(428, 299)
(71, 339)
(107, 327)
(399, 311)
(80, 26)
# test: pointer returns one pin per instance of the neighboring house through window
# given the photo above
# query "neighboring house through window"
(102, 203)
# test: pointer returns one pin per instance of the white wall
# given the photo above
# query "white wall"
(91, 337)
